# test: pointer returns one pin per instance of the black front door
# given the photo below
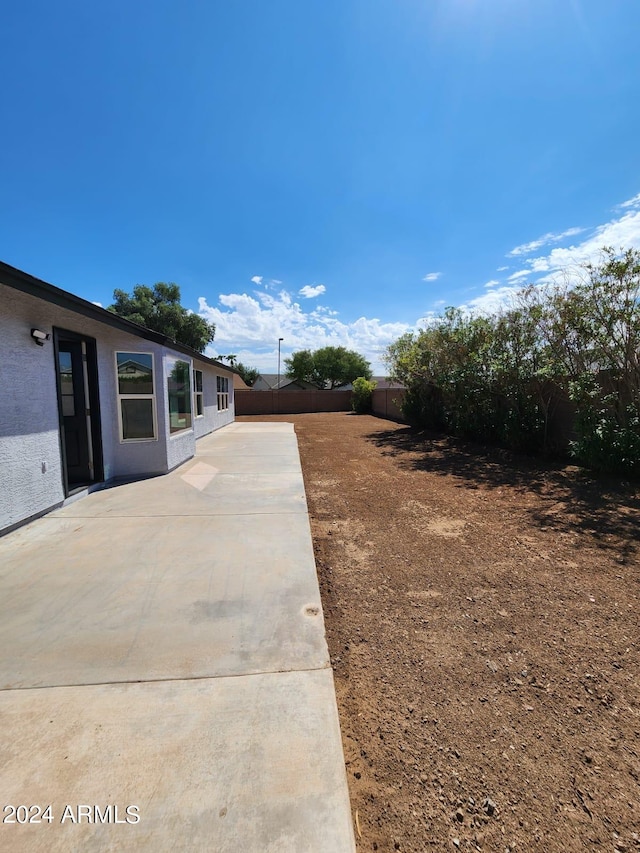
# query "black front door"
(79, 407)
(73, 400)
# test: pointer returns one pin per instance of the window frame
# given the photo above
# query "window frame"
(152, 397)
(172, 359)
(222, 393)
(198, 396)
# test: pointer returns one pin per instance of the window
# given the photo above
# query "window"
(198, 405)
(223, 392)
(66, 384)
(179, 391)
(136, 399)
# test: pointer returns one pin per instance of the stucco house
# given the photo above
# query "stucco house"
(89, 397)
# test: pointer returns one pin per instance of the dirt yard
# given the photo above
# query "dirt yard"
(482, 613)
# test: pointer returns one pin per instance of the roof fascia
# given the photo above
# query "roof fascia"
(22, 281)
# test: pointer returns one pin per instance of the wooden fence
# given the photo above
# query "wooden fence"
(386, 403)
(291, 402)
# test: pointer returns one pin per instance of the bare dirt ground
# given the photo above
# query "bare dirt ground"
(482, 614)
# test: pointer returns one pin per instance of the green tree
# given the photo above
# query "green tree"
(592, 334)
(498, 378)
(301, 366)
(249, 374)
(159, 309)
(361, 395)
(328, 367)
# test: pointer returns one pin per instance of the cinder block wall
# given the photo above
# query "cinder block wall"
(291, 402)
(386, 403)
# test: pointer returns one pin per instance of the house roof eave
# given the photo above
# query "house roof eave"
(22, 281)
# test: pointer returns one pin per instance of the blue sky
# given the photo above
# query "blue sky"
(326, 171)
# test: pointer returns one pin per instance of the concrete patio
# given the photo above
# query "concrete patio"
(163, 648)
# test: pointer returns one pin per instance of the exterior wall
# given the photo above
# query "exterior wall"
(30, 462)
(213, 419)
(133, 458)
(31, 476)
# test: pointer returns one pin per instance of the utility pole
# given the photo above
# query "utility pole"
(279, 342)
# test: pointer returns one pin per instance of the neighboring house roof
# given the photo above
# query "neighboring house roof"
(269, 382)
(381, 382)
(19, 280)
(384, 382)
(239, 384)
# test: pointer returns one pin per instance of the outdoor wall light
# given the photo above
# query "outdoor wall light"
(39, 336)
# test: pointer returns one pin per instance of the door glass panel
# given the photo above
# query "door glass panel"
(66, 384)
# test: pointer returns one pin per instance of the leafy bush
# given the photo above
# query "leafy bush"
(497, 378)
(608, 433)
(361, 395)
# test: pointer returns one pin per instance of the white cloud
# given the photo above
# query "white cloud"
(250, 326)
(492, 301)
(623, 232)
(534, 245)
(432, 276)
(516, 276)
(310, 292)
(99, 304)
(502, 269)
(632, 202)
(565, 263)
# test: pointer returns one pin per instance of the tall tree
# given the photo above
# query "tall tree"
(159, 309)
(249, 374)
(300, 366)
(328, 367)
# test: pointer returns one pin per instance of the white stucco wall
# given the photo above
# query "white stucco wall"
(182, 445)
(30, 462)
(29, 428)
(213, 419)
(130, 458)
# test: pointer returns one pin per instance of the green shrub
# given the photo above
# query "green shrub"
(498, 378)
(361, 395)
(608, 431)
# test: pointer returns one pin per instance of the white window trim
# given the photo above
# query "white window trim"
(197, 394)
(185, 430)
(222, 395)
(152, 397)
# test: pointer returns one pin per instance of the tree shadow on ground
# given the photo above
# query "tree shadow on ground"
(571, 500)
